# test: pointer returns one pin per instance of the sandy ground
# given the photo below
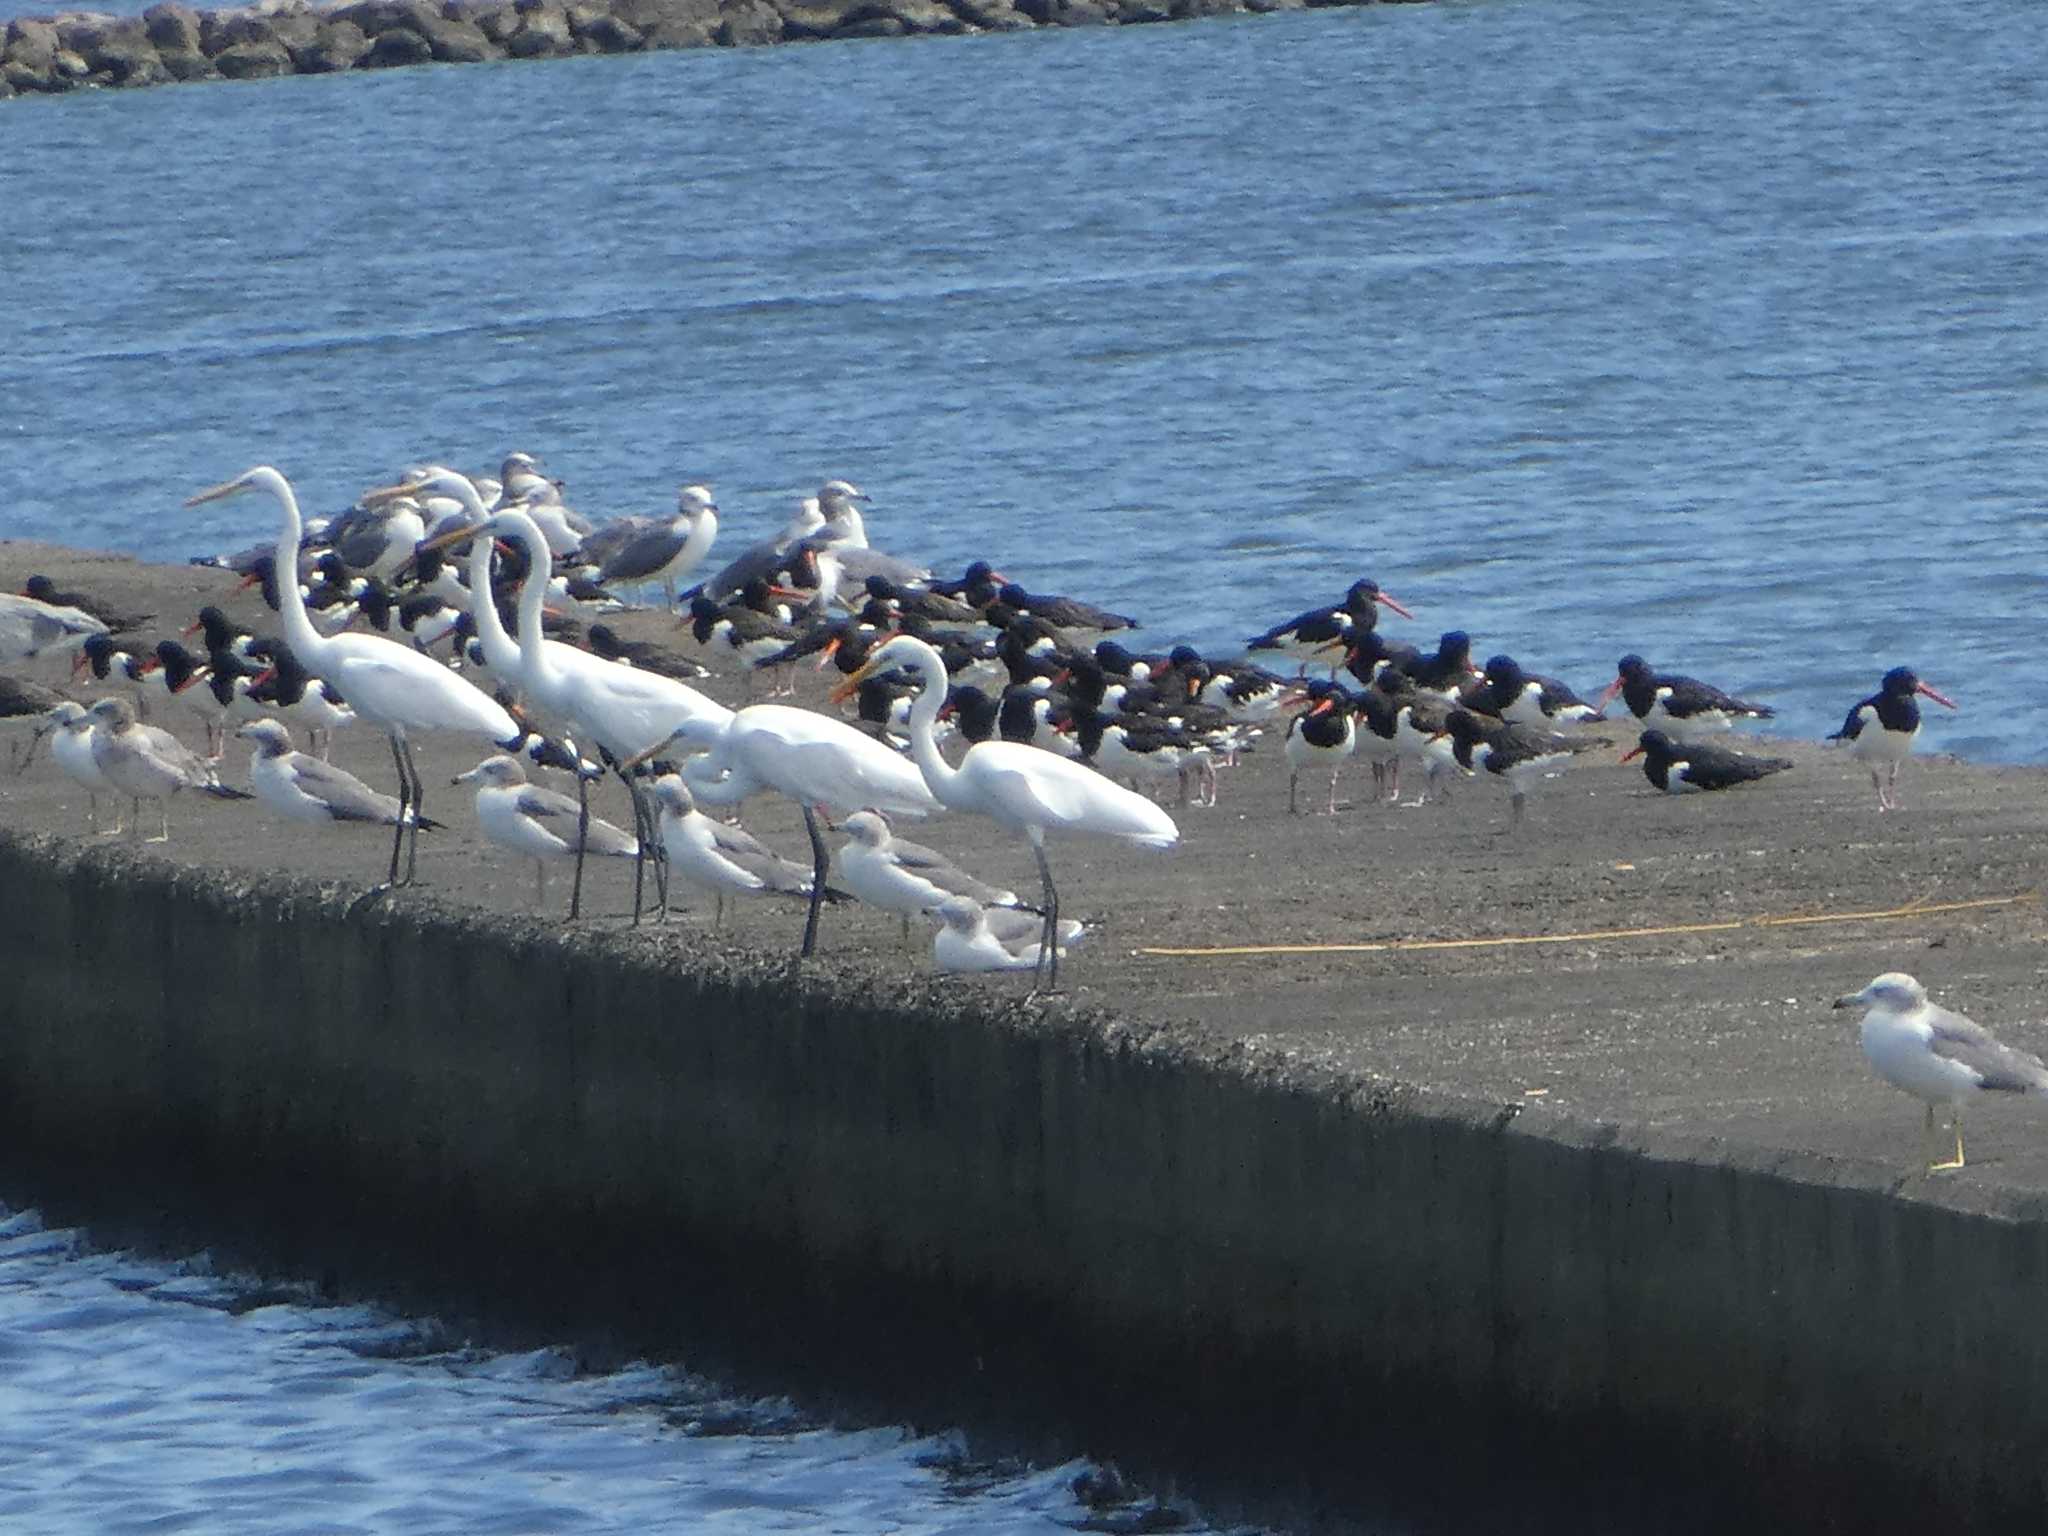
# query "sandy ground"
(1722, 1033)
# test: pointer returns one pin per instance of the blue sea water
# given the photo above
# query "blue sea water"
(1694, 329)
(141, 1395)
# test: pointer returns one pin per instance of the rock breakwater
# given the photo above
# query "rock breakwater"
(173, 43)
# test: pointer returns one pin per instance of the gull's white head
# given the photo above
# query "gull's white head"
(868, 828)
(673, 795)
(695, 500)
(1894, 991)
(836, 493)
(271, 736)
(114, 712)
(499, 772)
(806, 519)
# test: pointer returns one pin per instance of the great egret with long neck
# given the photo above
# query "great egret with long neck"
(1022, 787)
(392, 686)
(625, 710)
(816, 761)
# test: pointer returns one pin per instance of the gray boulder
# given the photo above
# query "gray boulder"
(68, 69)
(397, 48)
(608, 33)
(187, 64)
(456, 40)
(337, 46)
(544, 33)
(224, 29)
(749, 24)
(254, 61)
(124, 55)
(375, 16)
(22, 78)
(497, 21)
(34, 43)
(80, 30)
(173, 27)
(801, 20)
(871, 26)
(991, 15)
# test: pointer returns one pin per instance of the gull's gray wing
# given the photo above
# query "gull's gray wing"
(2002, 1068)
(347, 797)
(760, 560)
(929, 864)
(646, 552)
(860, 564)
(610, 538)
(759, 860)
(560, 813)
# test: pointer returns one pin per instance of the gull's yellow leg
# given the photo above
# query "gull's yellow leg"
(1957, 1160)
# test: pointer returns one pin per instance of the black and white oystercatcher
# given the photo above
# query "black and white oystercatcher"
(1322, 736)
(1529, 698)
(1881, 730)
(1311, 636)
(1684, 767)
(1520, 756)
(1682, 703)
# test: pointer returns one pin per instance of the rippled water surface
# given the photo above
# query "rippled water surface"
(138, 1396)
(1698, 329)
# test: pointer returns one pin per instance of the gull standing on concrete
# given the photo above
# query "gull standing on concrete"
(540, 823)
(623, 710)
(301, 787)
(719, 858)
(972, 937)
(669, 548)
(817, 761)
(144, 762)
(900, 876)
(70, 729)
(1881, 730)
(1937, 1055)
(1024, 788)
(388, 684)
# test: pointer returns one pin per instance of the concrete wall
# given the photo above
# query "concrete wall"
(1163, 1227)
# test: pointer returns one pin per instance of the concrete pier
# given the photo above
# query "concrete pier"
(441, 1086)
(1540, 1211)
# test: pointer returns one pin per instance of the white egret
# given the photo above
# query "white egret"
(1022, 787)
(815, 760)
(390, 685)
(624, 710)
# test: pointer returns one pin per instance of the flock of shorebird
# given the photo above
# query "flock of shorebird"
(1051, 723)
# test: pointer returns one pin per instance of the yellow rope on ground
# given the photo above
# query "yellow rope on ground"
(1601, 935)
